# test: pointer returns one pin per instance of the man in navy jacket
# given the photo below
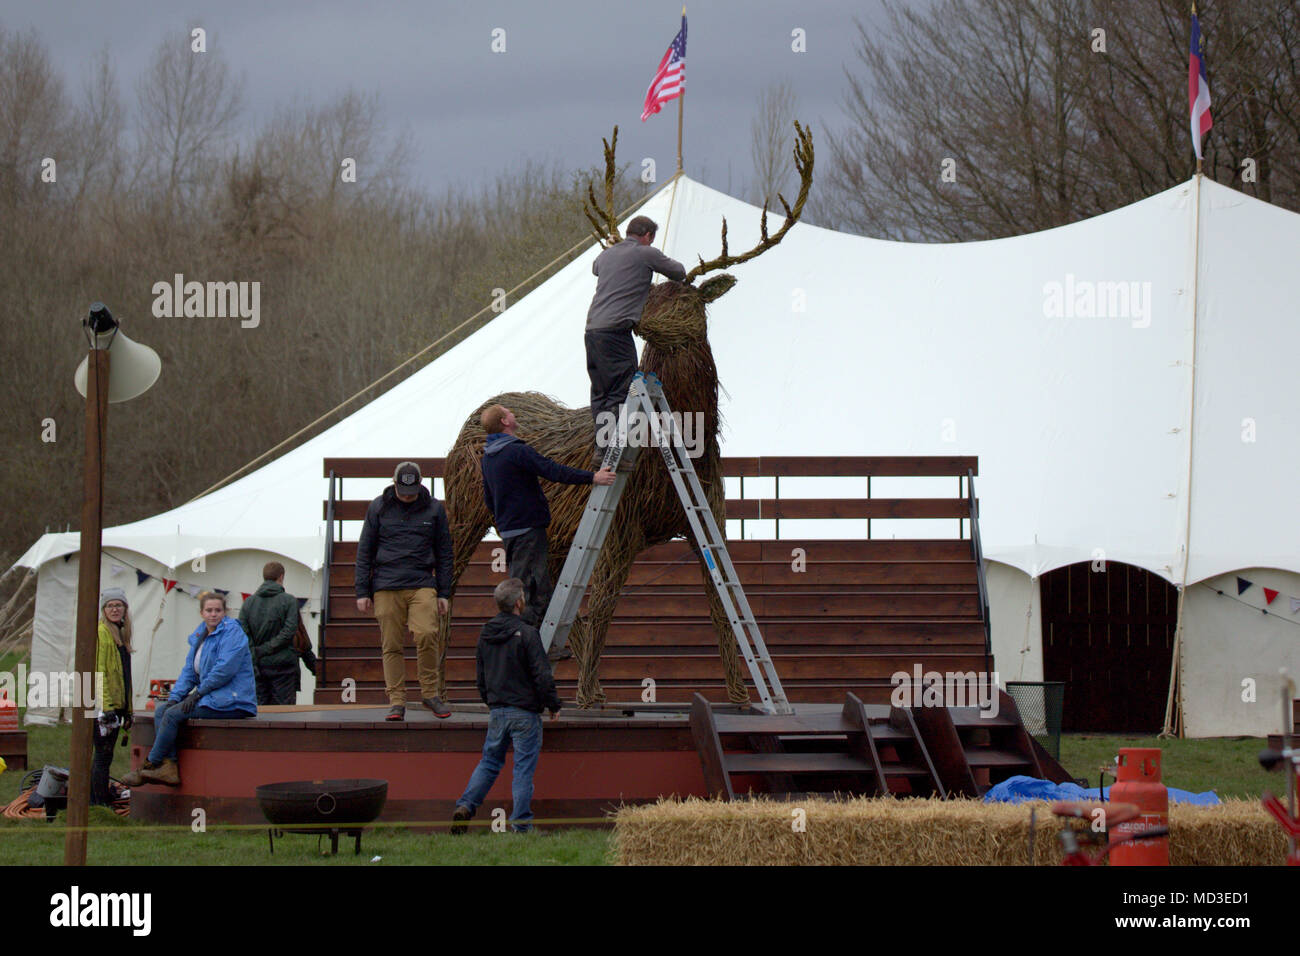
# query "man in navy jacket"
(511, 468)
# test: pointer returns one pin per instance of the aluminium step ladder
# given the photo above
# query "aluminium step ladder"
(646, 397)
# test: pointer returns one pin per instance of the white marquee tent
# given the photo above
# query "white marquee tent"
(1129, 396)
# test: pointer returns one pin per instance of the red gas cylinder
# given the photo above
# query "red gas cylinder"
(1138, 782)
(8, 712)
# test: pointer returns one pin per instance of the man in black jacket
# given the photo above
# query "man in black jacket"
(404, 539)
(514, 680)
(511, 468)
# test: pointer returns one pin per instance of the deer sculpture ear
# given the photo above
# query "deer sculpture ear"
(719, 285)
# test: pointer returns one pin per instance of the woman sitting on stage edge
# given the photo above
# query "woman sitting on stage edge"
(216, 683)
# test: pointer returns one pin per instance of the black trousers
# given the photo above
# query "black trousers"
(279, 687)
(611, 363)
(527, 554)
(99, 766)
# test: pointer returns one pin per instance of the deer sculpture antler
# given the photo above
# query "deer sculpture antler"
(803, 161)
(604, 222)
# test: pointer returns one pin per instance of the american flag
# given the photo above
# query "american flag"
(1198, 90)
(670, 78)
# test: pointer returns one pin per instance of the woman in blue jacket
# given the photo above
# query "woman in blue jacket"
(216, 683)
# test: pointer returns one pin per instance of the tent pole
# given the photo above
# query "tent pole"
(1174, 702)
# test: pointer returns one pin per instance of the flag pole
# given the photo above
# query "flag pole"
(1198, 147)
(1173, 726)
(681, 100)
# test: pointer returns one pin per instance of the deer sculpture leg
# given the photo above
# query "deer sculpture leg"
(607, 580)
(469, 520)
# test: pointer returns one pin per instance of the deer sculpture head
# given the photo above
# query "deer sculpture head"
(675, 313)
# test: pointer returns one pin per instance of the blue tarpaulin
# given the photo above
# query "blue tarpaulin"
(1020, 789)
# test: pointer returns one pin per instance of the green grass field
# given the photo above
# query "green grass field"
(117, 841)
(1227, 766)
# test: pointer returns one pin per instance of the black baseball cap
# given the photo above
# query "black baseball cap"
(407, 478)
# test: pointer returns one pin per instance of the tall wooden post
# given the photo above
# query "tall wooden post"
(92, 523)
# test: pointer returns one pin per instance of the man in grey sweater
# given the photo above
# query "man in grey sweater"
(623, 273)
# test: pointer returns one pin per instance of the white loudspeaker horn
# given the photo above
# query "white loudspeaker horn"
(133, 368)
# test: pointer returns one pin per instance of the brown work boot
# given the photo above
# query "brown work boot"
(460, 820)
(135, 778)
(168, 774)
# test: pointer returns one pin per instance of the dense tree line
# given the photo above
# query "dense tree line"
(355, 277)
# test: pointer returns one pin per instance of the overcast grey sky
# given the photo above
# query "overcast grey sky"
(571, 69)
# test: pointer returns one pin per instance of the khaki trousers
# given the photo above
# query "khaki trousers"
(416, 609)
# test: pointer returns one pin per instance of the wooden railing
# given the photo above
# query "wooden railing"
(775, 508)
(868, 609)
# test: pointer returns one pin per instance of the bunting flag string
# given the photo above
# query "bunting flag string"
(1244, 584)
(189, 588)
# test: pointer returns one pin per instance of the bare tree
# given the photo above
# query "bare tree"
(99, 125)
(771, 145)
(33, 117)
(974, 119)
(188, 105)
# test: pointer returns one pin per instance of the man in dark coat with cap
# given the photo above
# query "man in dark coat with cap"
(404, 564)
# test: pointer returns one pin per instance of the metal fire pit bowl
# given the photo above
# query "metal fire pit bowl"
(322, 806)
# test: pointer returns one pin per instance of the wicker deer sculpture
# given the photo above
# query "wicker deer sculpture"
(675, 329)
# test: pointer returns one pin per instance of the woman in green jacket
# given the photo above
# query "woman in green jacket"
(113, 668)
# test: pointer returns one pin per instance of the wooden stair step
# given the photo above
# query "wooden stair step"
(966, 718)
(988, 757)
(783, 726)
(795, 763)
(904, 770)
(888, 734)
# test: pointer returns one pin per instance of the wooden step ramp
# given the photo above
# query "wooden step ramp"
(857, 750)
(973, 750)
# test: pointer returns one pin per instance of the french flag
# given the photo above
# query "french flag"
(1198, 90)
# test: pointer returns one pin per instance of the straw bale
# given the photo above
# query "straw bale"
(911, 832)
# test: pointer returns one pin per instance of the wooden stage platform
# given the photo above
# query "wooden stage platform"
(591, 761)
(594, 761)
(841, 617)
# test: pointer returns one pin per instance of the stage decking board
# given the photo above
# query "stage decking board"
(589, 764)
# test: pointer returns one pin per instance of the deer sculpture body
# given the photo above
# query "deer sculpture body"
(675, 329)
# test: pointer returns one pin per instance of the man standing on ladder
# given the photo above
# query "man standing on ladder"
(623, 273)
(511, 468)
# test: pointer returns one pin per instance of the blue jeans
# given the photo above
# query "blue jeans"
(167, 720)
(508, 726)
